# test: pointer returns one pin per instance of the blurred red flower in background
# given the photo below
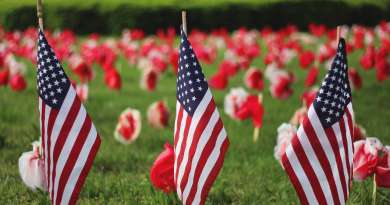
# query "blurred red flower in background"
(161, 173)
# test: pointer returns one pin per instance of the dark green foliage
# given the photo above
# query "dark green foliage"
(231, 15)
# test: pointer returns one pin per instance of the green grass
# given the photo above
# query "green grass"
(120, 174)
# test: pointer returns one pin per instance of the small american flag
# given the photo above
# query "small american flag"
(69, 138)
(200, 140)
(319, 159)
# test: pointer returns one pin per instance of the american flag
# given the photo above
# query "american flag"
(69, 138)
(200, 140)
(319, 159)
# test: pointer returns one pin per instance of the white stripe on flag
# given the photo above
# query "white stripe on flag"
(350, 108)
(301, 176)
(198, 114)
(325, 144)
(59, 122)
(209, 166)
(68, 146)
(78, 167)
(204, 138)
(339, 137)
(314, 163)
(179, 141)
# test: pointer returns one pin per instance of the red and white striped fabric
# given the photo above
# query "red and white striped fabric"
(69, 138)
(319, 159)
(200, 140)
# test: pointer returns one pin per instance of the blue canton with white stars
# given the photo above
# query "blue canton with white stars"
(191, 85)
(335, 92)
(52, 82)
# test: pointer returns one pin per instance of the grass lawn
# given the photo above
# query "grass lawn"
(120, 174)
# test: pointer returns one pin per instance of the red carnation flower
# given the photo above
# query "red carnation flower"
(368, 58)
(228, 68)
(359, 133)
(158, 114)
(129, 126)
(174, 60)
(309, 96)
(355, 77)
(311, 77)
(365, 158)
(4, 77)
(254, 79)
(281, 89)
(218, 81)
(382, 172)
(252, 108)
(149, 80)
(317, 30)
(113, 79)
(161, 174)
(306, 58)
(17, 82)
(159, 64)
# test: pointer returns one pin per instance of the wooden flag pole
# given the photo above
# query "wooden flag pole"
(256, 130)
(184, 21)
(338, 33)
(40, 14)
(374, 190)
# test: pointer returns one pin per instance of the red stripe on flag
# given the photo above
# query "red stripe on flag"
(183, 144)
(294, 180)
(336, 152)
(50, 123)
(323, 160)
(198, 132)
(210, 145)
(346, 148)
(63, 135)
(72, 159)
(84, 172)
(304, 162)
(214, 172)
(179, 118)
(52, 119)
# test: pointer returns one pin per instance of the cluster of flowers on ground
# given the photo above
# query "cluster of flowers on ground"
(157, 54)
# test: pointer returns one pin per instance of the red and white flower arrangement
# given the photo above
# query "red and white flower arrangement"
(129, 126)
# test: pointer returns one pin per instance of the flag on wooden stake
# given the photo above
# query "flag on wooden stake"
(69, 138)
(319, 159)
(200, 140)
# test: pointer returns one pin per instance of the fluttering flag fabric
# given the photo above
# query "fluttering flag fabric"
(69, 138)
(319, 159)
(200, 139)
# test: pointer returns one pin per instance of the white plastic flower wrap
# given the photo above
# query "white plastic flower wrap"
(32, 168)
(129, 126)
(233, 100)
(158, 114)
(82, 91)
(286, 132)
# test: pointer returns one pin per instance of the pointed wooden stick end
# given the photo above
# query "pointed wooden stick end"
(40, 14)
(338, 33)
(184, 21)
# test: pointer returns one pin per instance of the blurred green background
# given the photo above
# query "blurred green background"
(112, 16)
